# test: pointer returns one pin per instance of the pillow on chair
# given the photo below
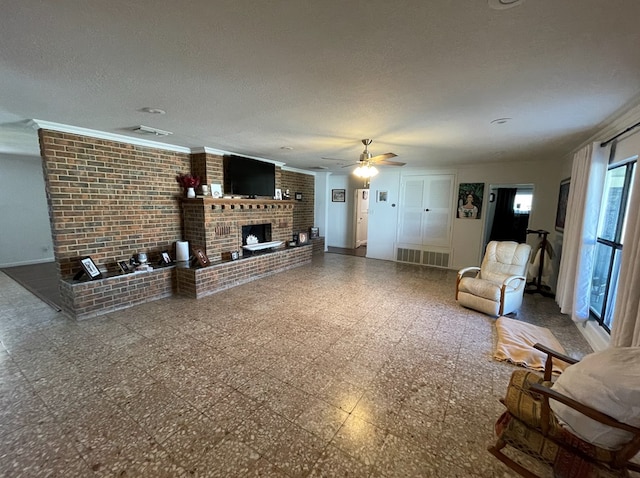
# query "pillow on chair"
(608, 381)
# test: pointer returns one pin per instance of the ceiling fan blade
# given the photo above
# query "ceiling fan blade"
(334, 159)
(351, 165)
(390, 163)
(382, 157)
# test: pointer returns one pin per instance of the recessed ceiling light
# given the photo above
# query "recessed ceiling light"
(153, 111)
(503, 4)
(501, 120)
(286, 148)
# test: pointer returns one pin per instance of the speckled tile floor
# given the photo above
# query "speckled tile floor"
(346, 367)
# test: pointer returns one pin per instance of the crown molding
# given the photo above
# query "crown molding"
(296, 170)
(121, 138)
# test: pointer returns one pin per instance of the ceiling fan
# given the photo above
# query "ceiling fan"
(366, 168)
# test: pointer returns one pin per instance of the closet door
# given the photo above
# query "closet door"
(425, 210)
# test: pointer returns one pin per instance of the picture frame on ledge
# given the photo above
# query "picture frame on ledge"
(314, 232)
(165, 258)
(235, 255)
(303, 238)
(124, 267)
(201, 257)
(88, 267)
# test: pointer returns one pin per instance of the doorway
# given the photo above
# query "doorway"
(508, 213)
(361, 215)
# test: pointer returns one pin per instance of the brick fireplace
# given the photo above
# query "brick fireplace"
(217, 224)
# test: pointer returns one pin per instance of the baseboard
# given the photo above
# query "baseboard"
(597, 337)
(28, 263)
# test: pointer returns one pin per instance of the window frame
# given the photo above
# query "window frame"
(615, 245)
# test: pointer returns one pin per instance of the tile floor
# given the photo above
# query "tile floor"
(346, 367)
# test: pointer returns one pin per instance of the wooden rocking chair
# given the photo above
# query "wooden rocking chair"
(530, 426)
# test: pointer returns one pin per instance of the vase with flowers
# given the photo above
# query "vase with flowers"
(189, 183)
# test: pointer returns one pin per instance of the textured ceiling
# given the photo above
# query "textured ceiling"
(424, 79)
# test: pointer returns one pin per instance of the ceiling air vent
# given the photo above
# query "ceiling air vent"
(148, 130)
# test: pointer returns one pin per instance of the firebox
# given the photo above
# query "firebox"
(261, 231)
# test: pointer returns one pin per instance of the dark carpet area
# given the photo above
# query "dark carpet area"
(39, 279)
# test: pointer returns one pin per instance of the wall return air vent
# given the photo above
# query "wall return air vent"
(148, 130)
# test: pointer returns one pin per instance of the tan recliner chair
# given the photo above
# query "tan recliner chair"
(498, 285)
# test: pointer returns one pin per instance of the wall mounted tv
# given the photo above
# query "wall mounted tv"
(248, 177)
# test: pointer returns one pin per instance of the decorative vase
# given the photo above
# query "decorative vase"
(191, 192)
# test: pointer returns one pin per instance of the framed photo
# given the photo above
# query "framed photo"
(216, 190)
(303, 238)
(165, 258)
(470, 196)
(314, 232)
(235, 255)
(298, 196)
(338, 195)
(278, 194)
(90, 268)
(124, 267)
(563, 199)
(382, 196)
(202, 258)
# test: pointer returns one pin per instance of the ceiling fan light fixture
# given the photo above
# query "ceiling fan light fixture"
(365, 171)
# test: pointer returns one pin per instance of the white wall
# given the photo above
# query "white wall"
(24, 214)
(467, 236)
(322, 198)
(383, 216)
(340, 214)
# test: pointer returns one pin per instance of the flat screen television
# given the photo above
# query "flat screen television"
(248, 177)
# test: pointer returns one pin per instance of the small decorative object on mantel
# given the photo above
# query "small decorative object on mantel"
(189, 183)
(286, 195)
(278, 195)
(216, 190)
(314, 232)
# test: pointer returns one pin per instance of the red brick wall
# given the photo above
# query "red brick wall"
(203, 281)
(109, 200)
(305, 184)
(216, 224)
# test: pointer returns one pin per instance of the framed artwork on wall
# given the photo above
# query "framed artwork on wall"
(338, 195)
(470, 196)
(382, 196)
(563, 199)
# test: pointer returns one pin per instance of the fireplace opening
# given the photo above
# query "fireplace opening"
(260, 231)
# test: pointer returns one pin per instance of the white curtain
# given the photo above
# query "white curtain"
(626, 319)
(581, 224)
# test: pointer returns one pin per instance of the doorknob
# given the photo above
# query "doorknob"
(426, 210)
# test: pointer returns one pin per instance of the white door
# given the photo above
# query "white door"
(425, 210)
(362, 216)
